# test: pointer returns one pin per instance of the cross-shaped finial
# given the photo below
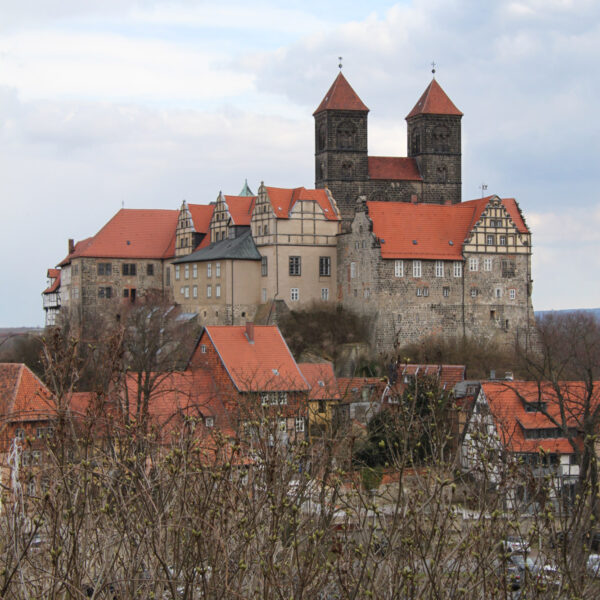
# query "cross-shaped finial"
(340, 65)
(433, 66)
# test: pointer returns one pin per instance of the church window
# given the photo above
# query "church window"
(457, 268)
(473, 264)
(439, 268)
(416, 268)
(487, 264)
(399, 268)
(346, 135)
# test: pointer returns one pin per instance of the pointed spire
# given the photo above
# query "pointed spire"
(246, 191)
(434, 101)
(341, 96)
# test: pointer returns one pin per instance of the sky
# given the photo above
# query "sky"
(111, 103)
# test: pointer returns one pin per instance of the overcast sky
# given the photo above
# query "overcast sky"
(105, 103)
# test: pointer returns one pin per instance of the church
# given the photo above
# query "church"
(387, 237)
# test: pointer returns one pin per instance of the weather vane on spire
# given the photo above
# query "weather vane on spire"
(340, 65)
(433, 66)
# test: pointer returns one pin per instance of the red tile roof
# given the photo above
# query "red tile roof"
(265, 364)
(240, 208)
(432, 226)
(448, 375)
(283, 201)
(201, 216)
(397, 168)
(434, 101)
(55, 275)
(132, 233)
(350, 388)
(507, 400)
(341, 96)
(79, 248)
(322, 381)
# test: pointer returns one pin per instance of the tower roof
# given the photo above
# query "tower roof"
(341, 96)
(434, 101)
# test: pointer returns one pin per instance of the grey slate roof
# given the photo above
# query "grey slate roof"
(239, 248)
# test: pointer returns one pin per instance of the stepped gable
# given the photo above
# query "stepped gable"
(240, 208)
(395, 168)
(263, 363)
(429, 231)
(341, 96)
(434, 101)
(283, 201)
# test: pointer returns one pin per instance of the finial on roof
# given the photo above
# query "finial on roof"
(340, 64)
(483, 188)
(433, 66)
(122, 203)
(246, 191)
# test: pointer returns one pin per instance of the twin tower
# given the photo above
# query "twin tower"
(431, 171)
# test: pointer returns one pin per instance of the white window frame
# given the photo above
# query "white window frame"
(264, 295)
(417, 268)
(209, 422)
(209, 291)
(490, 239)
(487, 264)
(177, 272)
(399, 268)
(299, 424)
(218, 269)
(195, 291)
(473, 264)
(195, 271)
(498, 293)
(209, 269)
(439, 268)
(186, 271)
(187, 291)
(512, 294)
(446, 291)
(218, 290)
(502, 240)
(294, 294)
(352, 270)
(325, 294)
(457, 269)
(283, 398)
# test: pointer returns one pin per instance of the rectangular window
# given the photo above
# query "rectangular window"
(487, 264)
(352, 270)
(325, 294)
(218, 290)
(490, 239)
(273, 398)
(502, 240)
(446, 292)
(104, 292)
(195, 291)
(457, 268)
(425, 291)
(498, 292)
(439, 268)
(419, 291)
(416, 268)
(104, 268)
(283, 398)
(324, 266)
(299, 424)
(177, 272)
(129, 269)
(473, 264)
(264, 295)
(398, 268)
(295, 266)
(294, 294)
(187, 291)
(209, 291)
(209, 270)
(186, 271)
(512, 294)
(168, 277)
(282, 425)
(474, 292)
(126, 293)
(508, 268)
(195, 271)
(218, 270)
(149, 269)
(75, 293)
(203, 348)
(367, 292)
(209, 422)
(264, 266)
(20, 434)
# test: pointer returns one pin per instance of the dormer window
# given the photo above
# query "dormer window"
(535, 406)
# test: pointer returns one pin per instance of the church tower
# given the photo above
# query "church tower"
(341, 161)
(434, 141)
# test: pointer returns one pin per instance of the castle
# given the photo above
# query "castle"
(388, 237)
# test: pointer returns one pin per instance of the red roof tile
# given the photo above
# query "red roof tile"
(240, 208)
(266, 364)
(132, 233)
(350, 388)
(448, 375)
(397, 168)
(283, 201)
(322, 381)
(507, 405)
(55, 275)
(434, 101)
(201, 216)
(432, 226)
(341, 96)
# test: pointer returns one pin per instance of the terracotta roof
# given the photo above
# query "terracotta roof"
(283, 201)
(55, 275)
(322, 381)
(397, 168)
(448, 375)
(265, 364)
(434, 101)
(341, 96)
(429, 231)
(515, 214)
(201, 216)
(240, 208)
(350, 387)
(79, 248)
(507, 401)
(132, 233)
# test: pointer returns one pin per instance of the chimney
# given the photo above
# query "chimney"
(250, 331)
(414, 198)
(447, 202)
(71, 246)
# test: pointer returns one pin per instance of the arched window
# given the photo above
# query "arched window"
(346, 136)
(416, 142)
(441, 138)
(321, 137)
(347, 170)
(442, 174)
